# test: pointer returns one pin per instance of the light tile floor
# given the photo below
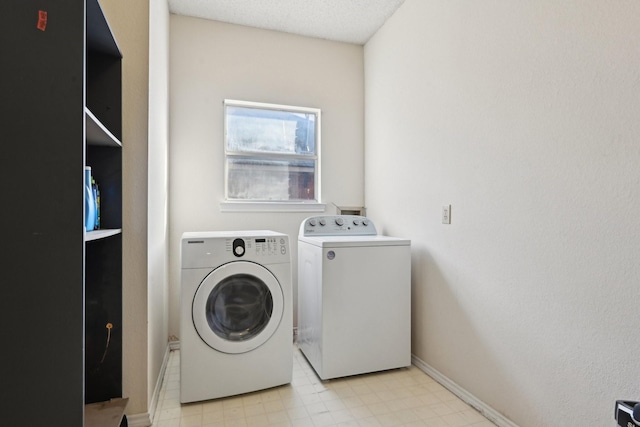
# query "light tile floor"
(401, 397)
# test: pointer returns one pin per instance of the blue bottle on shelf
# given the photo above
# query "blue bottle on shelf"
(89, 202)
(96, 200)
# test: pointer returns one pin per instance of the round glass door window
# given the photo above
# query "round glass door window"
(237, 307)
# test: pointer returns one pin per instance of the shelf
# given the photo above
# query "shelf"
(100, 234)
(105, 414)
(97, 133)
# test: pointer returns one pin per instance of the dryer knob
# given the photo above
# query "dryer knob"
(323, 222)
(339, 222)
(365, 222)
(312, 222)
(356, 221)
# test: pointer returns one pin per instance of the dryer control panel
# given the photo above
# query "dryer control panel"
(338, 225)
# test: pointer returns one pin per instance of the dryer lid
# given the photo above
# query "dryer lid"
(353, 241)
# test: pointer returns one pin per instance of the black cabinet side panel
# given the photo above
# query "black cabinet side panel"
(41, 164)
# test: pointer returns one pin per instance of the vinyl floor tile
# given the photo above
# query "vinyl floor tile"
(404, 397)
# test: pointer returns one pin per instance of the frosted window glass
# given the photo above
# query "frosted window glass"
(271, 152)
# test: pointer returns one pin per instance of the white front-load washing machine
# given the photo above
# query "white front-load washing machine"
(354, 297)
(236, 319)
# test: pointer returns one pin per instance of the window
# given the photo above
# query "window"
(271, 152)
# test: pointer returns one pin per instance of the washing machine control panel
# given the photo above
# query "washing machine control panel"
(338, 225)
(260, 247)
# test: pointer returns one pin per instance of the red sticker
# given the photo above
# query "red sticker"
(42, 20)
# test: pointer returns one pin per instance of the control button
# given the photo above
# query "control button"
(283, 250)
(238, 247)
(365, 222)
(339, 221)
(356, 221)
(323, 222)
(312, 222)
(282, 241)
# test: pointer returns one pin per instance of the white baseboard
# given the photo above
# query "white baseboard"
(146, 419)
(139, 420)
(487, 411)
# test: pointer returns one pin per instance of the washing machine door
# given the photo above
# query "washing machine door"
(238, 307)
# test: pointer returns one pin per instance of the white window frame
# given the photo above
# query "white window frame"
(251, 205)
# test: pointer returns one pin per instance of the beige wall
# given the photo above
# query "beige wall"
(129, 22)
(524, 117)
(211, 61)
(158, 203)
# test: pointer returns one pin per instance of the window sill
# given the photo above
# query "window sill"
(271, 207)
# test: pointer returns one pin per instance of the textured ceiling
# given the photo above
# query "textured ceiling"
(350, 21)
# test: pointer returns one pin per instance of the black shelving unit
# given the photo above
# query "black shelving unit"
(61, 288)
(103, 249)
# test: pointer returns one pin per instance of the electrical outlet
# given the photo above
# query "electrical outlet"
(446, 214)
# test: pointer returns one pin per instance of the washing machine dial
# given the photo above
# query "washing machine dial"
(356, 221)
(312, 222)
(339, 222)
(365, 222)
(238, 247)
(323, 222)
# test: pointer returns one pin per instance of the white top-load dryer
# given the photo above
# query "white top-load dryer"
(354, 297)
